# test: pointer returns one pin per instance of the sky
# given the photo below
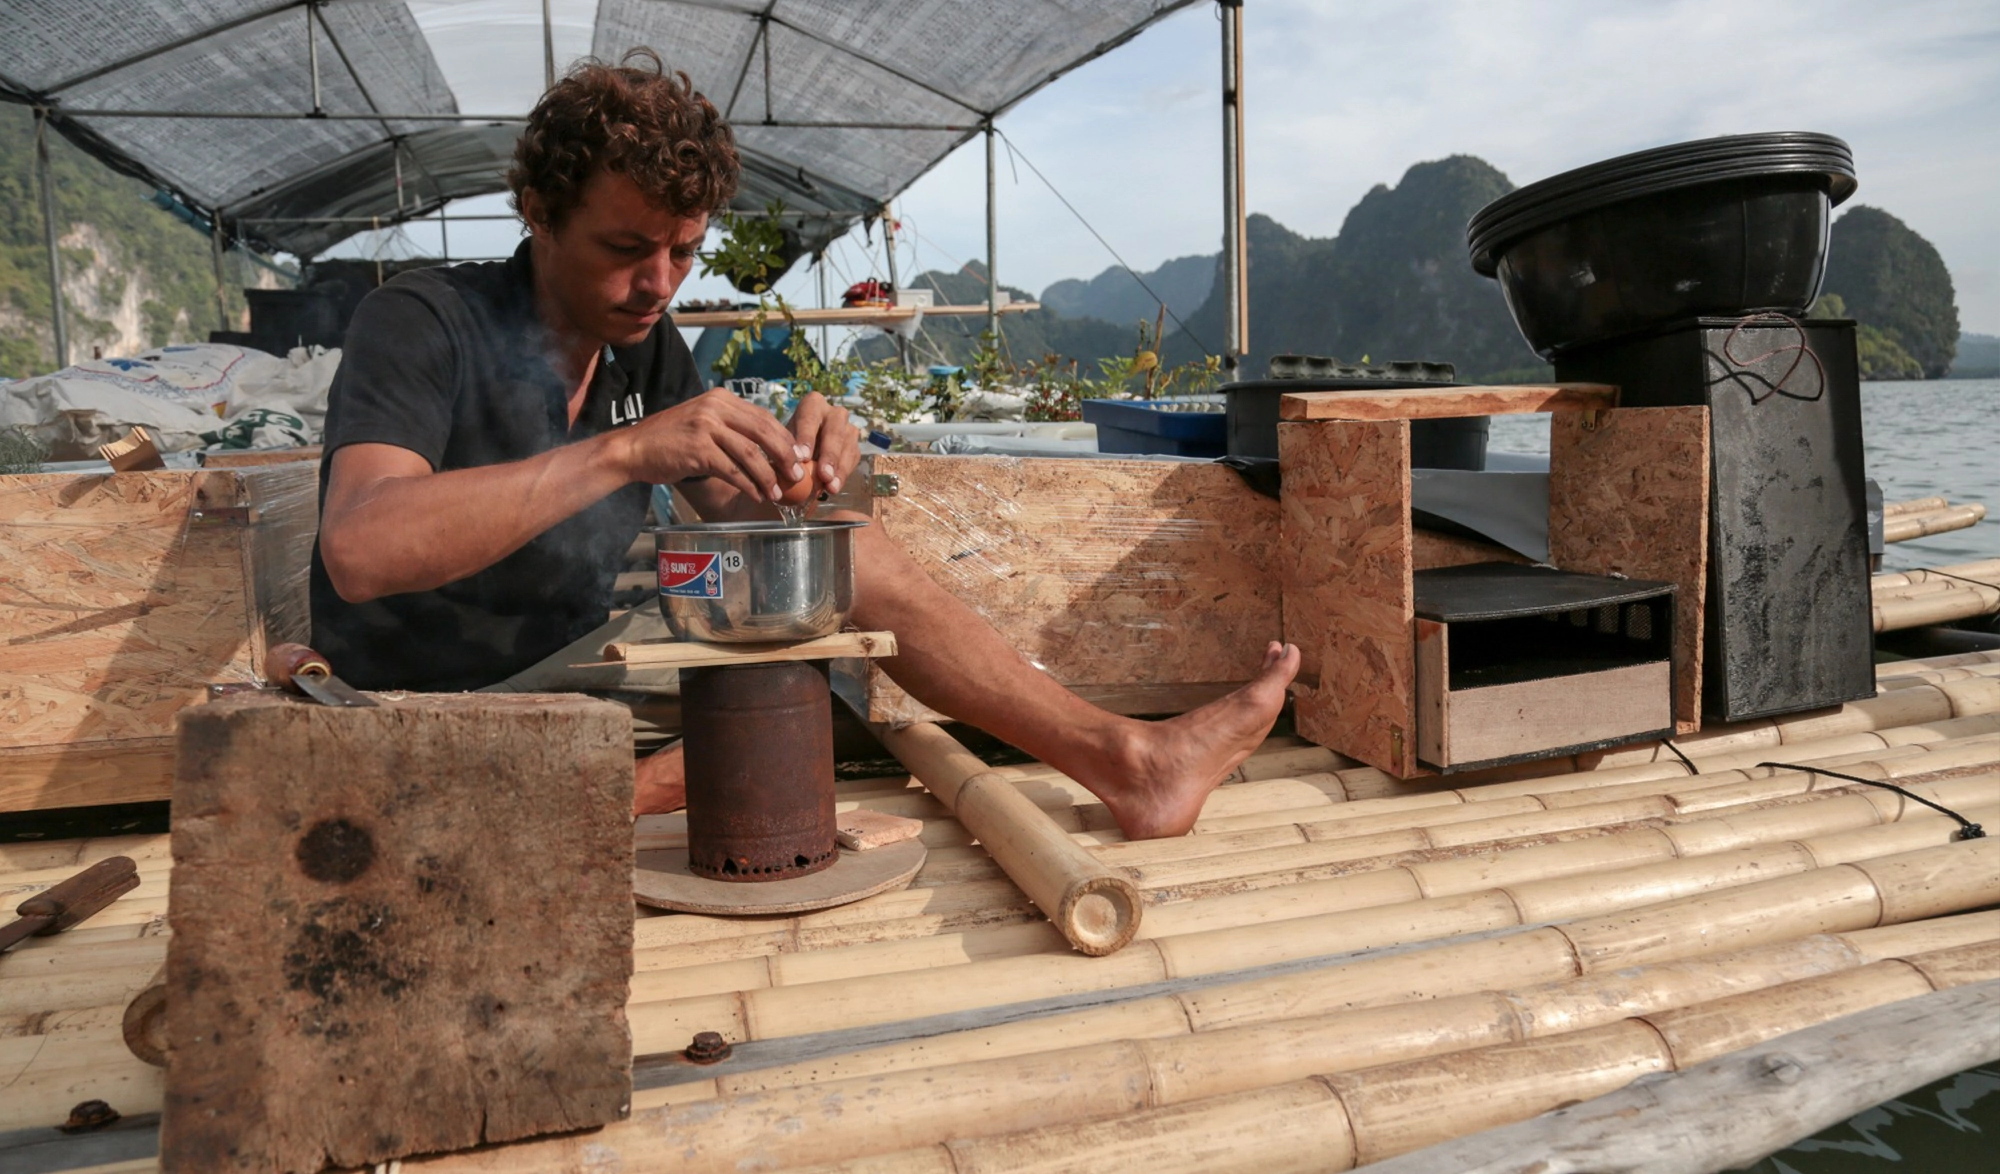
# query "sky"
(1341, 96)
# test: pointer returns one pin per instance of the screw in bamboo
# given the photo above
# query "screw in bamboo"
(1097, 910)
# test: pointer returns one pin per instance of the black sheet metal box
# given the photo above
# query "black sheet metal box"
(1788, 624)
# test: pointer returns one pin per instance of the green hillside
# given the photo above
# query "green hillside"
(1894, 283)
(1394, 284)
(135, 275)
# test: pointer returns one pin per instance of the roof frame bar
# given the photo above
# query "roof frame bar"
(234, 22)
(770, 17)
(743, 74)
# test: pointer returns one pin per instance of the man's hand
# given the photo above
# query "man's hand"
(716, 435)
(834, 442)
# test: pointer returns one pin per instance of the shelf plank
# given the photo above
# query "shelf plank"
(1430, 403)
(689, 655)
(844, 315)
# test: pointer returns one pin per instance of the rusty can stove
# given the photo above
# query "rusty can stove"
(759, 747)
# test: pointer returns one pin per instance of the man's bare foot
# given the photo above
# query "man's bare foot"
(1169, 767)
(659, 782)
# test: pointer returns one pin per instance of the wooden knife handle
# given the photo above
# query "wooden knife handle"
(68, 902)
(286, 661)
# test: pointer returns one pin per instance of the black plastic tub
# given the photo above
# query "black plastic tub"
(1458, 443)
(1722, 227)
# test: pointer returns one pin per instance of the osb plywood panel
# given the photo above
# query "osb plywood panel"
(887, 702)
(1628, 495)
(1430, 403)
(1104, 573)
(118, 604)
(1432, 549)
(1348, 595)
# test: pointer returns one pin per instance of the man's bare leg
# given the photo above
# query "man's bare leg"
(659, 782)
(1153, 776)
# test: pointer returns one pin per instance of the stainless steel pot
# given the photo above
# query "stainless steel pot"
(755, 582)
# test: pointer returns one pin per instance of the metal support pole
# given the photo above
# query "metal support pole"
(992, 240)
(1235, 249)
(548, 48)
(312, 52)
(819, 268)
(215, 250)
(396, 147)
(50, 234)
(889, 247)
(444, 236)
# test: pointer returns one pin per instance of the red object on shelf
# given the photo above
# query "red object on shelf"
(868, 293)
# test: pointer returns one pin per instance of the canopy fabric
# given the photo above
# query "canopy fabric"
(839, 105)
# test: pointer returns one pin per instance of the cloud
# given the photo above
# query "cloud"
(1342, 97)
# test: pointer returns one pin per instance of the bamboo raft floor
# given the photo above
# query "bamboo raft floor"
(1335, 967)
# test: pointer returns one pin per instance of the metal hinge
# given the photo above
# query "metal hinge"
(885, 485)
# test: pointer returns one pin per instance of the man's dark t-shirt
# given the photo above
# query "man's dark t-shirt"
(449, 363)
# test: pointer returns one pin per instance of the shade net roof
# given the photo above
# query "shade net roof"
(838, 105)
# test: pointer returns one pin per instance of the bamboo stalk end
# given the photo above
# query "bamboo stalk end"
(1100, 915)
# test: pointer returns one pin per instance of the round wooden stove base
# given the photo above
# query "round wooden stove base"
(662, 880)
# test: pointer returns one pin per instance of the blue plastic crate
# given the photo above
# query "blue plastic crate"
(1144, 426)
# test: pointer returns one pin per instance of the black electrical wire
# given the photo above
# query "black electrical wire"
(1192, 337)
(1967, 830)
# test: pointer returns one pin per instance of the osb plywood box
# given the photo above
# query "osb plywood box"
(122, 596)
(1146, 586)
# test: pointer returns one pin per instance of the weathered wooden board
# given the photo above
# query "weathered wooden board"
(1348, 597)
(258, 457)
(1533, 717)
(123, 595)
(1430, 403)
(399, 929)
(1628, 495)
(1108, 574)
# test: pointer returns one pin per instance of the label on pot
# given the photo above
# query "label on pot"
(691, 576)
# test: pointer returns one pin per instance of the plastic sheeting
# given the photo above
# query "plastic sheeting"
(839, 105)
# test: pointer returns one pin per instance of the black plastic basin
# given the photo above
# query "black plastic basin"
(1720, 228)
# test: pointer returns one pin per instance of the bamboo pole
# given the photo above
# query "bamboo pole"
(1096, 909)
(1729, 1112)
(1370, 880)
(1400, 1107)
(1986, 570)
(1837, 898)
(1125, 1085)
(1948, 661)
(1921, 505)
(1892, 614)
(1903, 527)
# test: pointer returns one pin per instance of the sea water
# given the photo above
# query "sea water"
(1937, 439)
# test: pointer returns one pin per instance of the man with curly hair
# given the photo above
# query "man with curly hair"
(494, 429)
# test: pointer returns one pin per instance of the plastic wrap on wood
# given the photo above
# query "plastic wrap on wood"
(127, 594)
